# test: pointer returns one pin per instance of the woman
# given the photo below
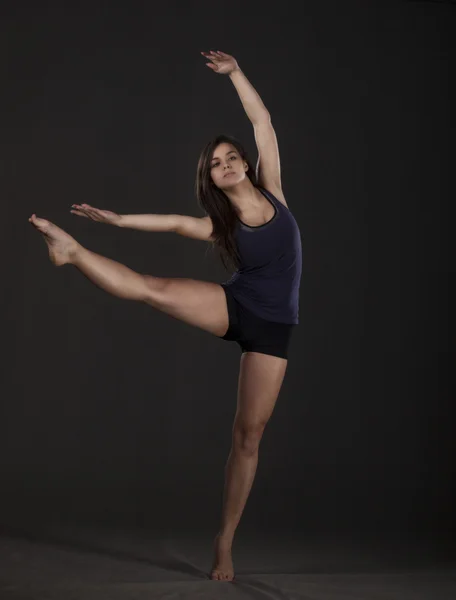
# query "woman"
(248, 221)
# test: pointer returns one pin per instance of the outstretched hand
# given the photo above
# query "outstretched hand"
(96, 214)
(222, 63)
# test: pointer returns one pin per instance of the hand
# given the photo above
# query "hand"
(96, 214)
(222, 63)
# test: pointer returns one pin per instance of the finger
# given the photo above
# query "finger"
(89, 207)
(93, 215)
(213, 67)
(81, 207)
(80, 213)
(87, 212)
(90, 210)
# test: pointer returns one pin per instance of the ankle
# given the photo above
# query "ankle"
(75, 253)
(225, 537)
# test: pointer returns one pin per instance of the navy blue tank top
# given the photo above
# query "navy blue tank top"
(268, 278)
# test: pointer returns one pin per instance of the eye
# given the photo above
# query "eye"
(216, 163)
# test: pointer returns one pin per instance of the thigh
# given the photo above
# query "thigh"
(258, 335)
(198, 303)
(260, 381)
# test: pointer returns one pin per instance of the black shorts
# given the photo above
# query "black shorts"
(254, 334)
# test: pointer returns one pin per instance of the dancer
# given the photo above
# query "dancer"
(248, 221)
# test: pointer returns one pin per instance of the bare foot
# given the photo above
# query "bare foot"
(62, 246)
(222, 569)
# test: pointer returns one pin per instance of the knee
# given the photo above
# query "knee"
(247, 437)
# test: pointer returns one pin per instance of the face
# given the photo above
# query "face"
(227, 167)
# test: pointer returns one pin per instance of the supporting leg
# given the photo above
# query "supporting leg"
(260, 381)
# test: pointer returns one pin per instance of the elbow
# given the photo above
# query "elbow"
(262, 117)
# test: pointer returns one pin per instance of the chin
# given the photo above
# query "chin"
(230, 180)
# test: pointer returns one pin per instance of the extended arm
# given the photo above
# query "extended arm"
(199, 228)
(149, 222)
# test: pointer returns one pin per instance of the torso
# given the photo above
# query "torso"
(267, 279)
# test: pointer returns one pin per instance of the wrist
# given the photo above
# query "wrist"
(234, 71)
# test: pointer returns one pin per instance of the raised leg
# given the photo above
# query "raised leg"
(260, 380)
(198, 303)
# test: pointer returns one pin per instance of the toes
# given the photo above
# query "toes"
(219, 576)
(40, 223)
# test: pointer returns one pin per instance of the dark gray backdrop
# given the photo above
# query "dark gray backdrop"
(113, 412)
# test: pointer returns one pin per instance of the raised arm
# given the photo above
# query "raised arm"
(225, 64)
(268, 165)
(194, 227)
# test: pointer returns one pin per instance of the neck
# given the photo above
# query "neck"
(244, 196)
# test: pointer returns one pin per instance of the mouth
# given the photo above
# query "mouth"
(230, 173)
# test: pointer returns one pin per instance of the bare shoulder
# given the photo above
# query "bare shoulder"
(276, 191)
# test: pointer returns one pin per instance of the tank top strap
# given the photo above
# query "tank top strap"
(271, 197)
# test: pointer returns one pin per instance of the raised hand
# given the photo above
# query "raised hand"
(96, 214)
(222, 63)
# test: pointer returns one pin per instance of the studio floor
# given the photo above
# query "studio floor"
(74, 562)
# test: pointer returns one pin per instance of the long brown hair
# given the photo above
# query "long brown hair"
(216, 203)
